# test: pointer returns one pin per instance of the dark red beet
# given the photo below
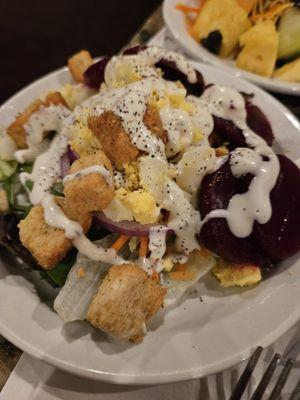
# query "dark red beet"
(229, 132)
(216, 192)
(133, 50)
(274, 241)
(94, 75)
(172, 73)
(217, 237)
(258, 122)
(280, 236)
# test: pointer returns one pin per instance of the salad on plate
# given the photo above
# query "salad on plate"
(128, 185)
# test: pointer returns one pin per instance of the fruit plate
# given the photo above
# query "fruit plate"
(209, 330)
(175, 23)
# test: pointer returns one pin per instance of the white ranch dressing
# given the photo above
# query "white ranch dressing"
(44, 120)
(260, 160)
(184, 220)
(55, 217)
(45, 172)
(130, 104)
(98, 169)
(148, 58)
(157, 245)
(46, 169)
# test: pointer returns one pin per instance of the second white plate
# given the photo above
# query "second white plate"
(174, 21)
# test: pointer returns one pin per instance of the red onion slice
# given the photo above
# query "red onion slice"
(64, 165)
(67, 160)
(128, 228)
(73, 156)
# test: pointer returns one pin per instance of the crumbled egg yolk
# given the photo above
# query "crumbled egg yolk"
(168, 264)
(176, 100)
(140, 203)
(125, 74)
(80, 273)
(83, 141)
(197, 135)
(131, 175)
(236, 275)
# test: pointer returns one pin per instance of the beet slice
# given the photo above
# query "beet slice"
(256, 120)
(269, 243)
(172, 73)
(215, 192)
(133, 50)
(229, 132)
(280, 236)
(94, 75)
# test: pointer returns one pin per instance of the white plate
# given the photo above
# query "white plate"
(174, 20)
(191, 340)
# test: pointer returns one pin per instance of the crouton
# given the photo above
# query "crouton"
(90, 192)
(16, 130)
(79, 63)
(49, 245)
(115, 141)
(153, 122)
(4, 206)
(54, 99)
(125, 300)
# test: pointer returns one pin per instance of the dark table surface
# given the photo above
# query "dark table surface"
(37, 37)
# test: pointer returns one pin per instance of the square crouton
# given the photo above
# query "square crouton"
(125, 300)
(16, 129)
(114, 140)
(91, 192)
(48, 245)
(79, 63)
(153, 123)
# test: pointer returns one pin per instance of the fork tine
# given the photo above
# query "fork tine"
(282, 380)
(246, 375)
(296, 392)
(265, 380)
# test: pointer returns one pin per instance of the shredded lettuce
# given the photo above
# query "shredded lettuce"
(7, 168)
(81, 285)
(200, 264)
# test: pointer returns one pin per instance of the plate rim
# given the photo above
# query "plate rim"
(175, 376)
(290, 88)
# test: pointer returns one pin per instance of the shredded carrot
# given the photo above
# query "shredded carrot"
(119, 243)
(180, 267)
(221, 151)
(182, 275)
(187, 9)
(203, 252)
(143, 247)
(268, 9)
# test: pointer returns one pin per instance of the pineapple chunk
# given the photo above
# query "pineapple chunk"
(225, 16)
(260, 46)
(236, 275)
(289, 72)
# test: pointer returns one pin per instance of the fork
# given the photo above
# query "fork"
(266, 378)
